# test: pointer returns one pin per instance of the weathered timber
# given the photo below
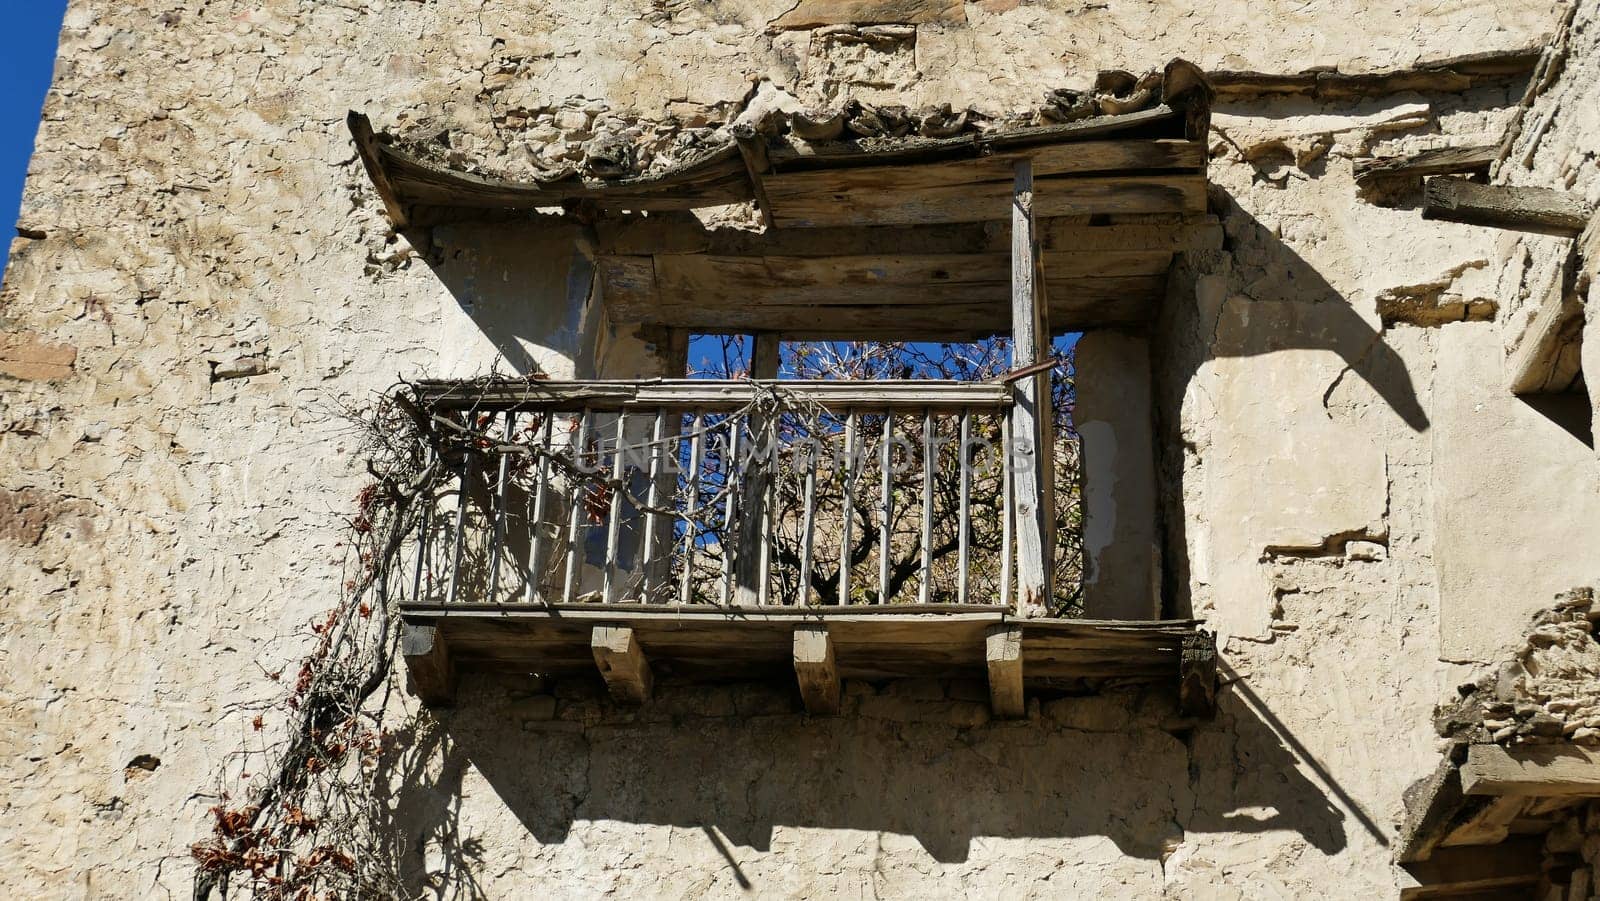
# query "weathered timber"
(816, 670)
(1432, 805)
(1030, 416)
(869, 642)
(1003, 657)
(1197, 675)
(1531, 770)
(682, 233)
(1057, 196)
(431, 672)
(1547, 356)
(367, 147)
(1485, 821)
(753, 151)
(1480, 871)
(622, 663)
(1451, 75)
(749, 561)
(605, 396)
(1544, 210)
(1442, 161)
(815, 13)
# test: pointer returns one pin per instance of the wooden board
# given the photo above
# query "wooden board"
(699, 642)
(1543, 210)
(804, 207)
(602, 395)
(1561, 769)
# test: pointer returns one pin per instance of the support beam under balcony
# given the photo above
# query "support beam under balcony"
(816, 670)
(1003, 651)
(432, 676)
(622, 663)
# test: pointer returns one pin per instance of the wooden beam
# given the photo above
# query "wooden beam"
(1003, 654)
(1062, 196)
(622, 663)
(1197, 675)
(816, 670)
(371, 160)
(1532, 770)
(1440, 161)
(753, 150)
(431, 672)
(1030, 416)
(1543, 210)
(1547, 355)
(1479, 871)
(750, 571)
(610, 396)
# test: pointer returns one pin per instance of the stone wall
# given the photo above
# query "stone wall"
(205, 277)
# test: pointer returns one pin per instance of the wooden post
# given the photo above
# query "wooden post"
(1003, 646)
(432, 676)
(1031, 416)
(758, 478)
(623, 663)
(815, 669)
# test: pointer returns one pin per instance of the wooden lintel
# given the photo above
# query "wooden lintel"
(1003, 653)
(622, 663)
(816, 670)
(753, 151)
(1478, 870)
(1532, 770)
(1543, 210)
(1197, 675)
(431, 673)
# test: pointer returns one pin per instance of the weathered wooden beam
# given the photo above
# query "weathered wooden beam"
(1532, 770)
(1546, 356)
(622, 663)
(1543, 210)
(609, 396)
(816, 670)
(431, 672)
(1030, 417)
(1197, 675)
(753, 150)
(749, 558)
(372, 160)
(1003, 654)
(1479, 871)
(1440, 161)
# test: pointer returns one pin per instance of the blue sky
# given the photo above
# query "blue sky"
(27, 55)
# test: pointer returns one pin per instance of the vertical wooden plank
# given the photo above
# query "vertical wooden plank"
(579, 447)
(808, 525)
(462, 498)
(816, 671)
(676, 362)
(885, 525)
(622, 663)
(1003, 651)
(849, 506)
(532, 590)
(619, 472)
(930, 459)
(497, 543)
(764, 356)
(1030, 416)
(424, 524)
(964, 519)
(1006, 507)
(648, 564)
(730, 510)
(691, 506)
(752, 556)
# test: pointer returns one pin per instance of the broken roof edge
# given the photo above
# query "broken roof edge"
(420, 185)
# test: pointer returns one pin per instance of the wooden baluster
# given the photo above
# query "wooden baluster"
(849, 506)
(691, 507)
(730, 484)
(617, 496)
(807, 523)
(657, 453)
(886, 525)
(964, 463)
(1005, 510)
(929, 458)
(532, 589)
(497, 544)
(580, 447)
(461, 524)
(424, 524)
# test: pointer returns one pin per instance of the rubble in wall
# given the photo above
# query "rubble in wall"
(1548, 691)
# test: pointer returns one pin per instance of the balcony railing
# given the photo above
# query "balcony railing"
(738, 494)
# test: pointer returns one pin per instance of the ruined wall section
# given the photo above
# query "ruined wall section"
(204, 278)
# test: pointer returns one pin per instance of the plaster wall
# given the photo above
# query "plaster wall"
(208, 277)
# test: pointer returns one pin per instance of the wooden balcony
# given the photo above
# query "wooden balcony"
(691, 529)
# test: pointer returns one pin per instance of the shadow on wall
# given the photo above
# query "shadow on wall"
(737, 762)
(1256, 297)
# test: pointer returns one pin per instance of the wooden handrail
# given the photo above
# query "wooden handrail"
(707, 394)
